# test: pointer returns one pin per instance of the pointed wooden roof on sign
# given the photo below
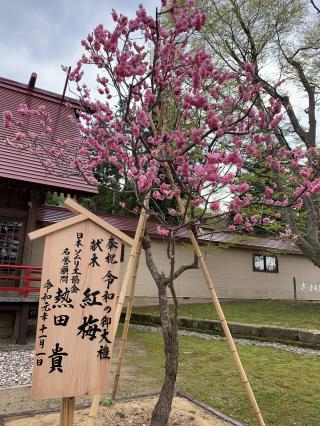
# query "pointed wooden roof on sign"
(83, 214)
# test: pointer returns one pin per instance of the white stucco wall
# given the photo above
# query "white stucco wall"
(231, 271)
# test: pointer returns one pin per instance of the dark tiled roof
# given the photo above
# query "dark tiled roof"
(47, 215)
(250, 242)
(23, 165)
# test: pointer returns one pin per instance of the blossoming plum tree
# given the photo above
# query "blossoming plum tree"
(174, 125)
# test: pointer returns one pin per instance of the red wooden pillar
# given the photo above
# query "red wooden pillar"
(21, 320)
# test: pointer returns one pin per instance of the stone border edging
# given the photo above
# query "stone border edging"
(211, 410)
(307, 337)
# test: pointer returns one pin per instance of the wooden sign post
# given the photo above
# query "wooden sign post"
(130, 275)
(77, 305)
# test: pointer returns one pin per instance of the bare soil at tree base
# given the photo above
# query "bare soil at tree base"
(134, 412)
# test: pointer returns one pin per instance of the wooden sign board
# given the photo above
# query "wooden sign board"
(81, 266)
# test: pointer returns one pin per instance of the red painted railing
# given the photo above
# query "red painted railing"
(27, 275)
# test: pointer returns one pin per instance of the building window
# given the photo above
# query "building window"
(11, 241)
(263, 263)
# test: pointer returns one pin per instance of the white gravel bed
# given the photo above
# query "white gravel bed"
(16, 364)
(15, 368)
(204, 336)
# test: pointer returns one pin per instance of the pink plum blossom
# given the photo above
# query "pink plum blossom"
(214, 206)
(254, 218)
(238, 219)
(162, 231)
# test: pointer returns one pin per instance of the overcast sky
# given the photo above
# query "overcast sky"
(42, 35)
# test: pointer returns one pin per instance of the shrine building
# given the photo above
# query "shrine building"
(24, 183)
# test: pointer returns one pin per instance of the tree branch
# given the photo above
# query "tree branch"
(183, 268)
(314, 6)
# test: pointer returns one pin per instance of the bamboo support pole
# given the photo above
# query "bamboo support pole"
(130, 266)
(127, 277)
(219, 311)
(127, 321)
(67, 411)
(93, 411)
(226, 330)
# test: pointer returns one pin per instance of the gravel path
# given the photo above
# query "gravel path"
(16, 364)
(15, 367)
(280, 346)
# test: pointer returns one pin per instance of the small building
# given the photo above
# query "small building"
(24, 182)
(241, 267)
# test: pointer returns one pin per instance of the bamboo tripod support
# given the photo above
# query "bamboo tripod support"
(67, 411)
(132, 271)
(127, 321)
(219, 311)
(132, 266)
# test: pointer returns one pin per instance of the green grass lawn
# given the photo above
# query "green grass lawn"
(285, 384)
(284, 313)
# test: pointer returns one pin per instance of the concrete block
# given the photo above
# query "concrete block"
(279, 333)
(209, 325)
(245, 329)
(185, 322)
(312, 337)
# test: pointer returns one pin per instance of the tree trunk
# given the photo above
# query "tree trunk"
(161, 412)
(310, 249)
(169, 325)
